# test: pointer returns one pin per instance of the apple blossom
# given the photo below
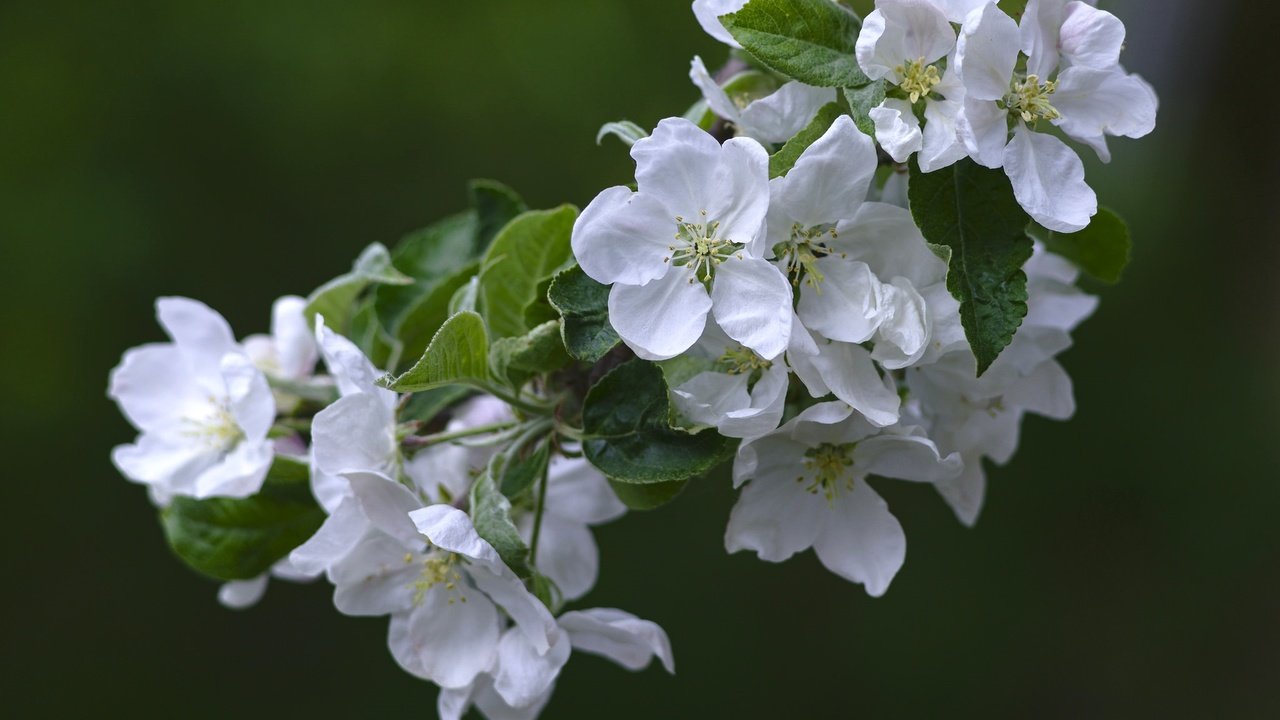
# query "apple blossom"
(775, 118)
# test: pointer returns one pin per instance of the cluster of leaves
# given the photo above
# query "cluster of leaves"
(967, 211)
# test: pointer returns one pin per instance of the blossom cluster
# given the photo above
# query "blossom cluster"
(773, 289)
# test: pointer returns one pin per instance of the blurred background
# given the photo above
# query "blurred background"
(1127, 563)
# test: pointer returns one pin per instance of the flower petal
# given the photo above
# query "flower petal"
(622, 237)
(717, 99)
(577, 491)
(902, 31)
(336, 538)
(777, 117)
(862, 541)
(903, 336)
(239, 473)
(830, 179)
(376, 578)
(897, 129)
(678, 165)
(663, 318)
(294, 342)
(941, 146)
(1098, 102)
(522, 674)
(987, 52)
(567, 554)
(242, 594)
(752, 303)
(155, 388)
(739, 198)
(447, 643)
(1048, 180)
(199, 332)
(965, 493)
(1040, 33)
(984, 129)
(620, 636)
(850, 373)
(1090, 37)
(249, 396)
(845, 306)
(905, 457)
(387, 504)
(775, 517)
(351, 370)
(355, 434)
(708, 13)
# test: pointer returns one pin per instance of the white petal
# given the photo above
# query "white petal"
(717, 99)
(295, 343)
(567, 554)
(897, 129)
(1098, 102)
(678, 166)
(242, 594)
(355, 434)
(957, 10)
(335, 539)
(249, 396)
(387, 504)
(768, 403)
(523, 674)
(201, 334)
(752, 303)
(708, 13)
(830, 179)
(238, 474)
(851, 375)
(986, 53)
(620, 636)
(1040, 33)
(622, 237)
(966, 492)
(903, 336)
(984, 129)
(171, 463)
(453, 703)
(155, 388)
(886, 238)
(846, 304)
(351, 370)
(1047, 391)
(902, 31)
(775, 516)
(905, 457)
(448, 644)
(862, 541)
(1048, 180)
(739, 198)
(942, 146)
(708, 397)
(777, 117)
(577, 491)
(1091, 37)
(376, 578)
(663, 318)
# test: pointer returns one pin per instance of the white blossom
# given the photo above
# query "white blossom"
(1072, 81)
(808, 488)
(202, 408)
(775, 118)
(290, 351)
(687, 243)
(708, 13)
(902, 42)
(739, 393)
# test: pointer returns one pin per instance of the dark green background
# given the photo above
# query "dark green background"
(1126, 565)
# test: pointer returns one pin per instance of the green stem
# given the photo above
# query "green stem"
(533, 408)
(417, 443)
(537, 518)
(569, 431)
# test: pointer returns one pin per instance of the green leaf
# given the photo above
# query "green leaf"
(239, 539)
(583, 305)
(425, 406)
(1102, 249)
(336, 299)
(495, 205)
(491, 515)
(541, 310)
(518, 468)
(647, 497)
(367, 333)
(530, 248)
(425, 316)
(540, 351)
(862, 101)
(625, 130)
(627, 435)
(457, 355)
(427, 255)
(785, 159)
(812, 41)
(971, 210)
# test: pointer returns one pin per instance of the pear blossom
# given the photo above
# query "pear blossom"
(686, 244)
(808, 488)
(521, 681)
(902, 42)
(202, 408)
(775, 118)
(1073, 81)
(861, 267)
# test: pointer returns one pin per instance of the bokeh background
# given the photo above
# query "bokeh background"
(1127, 563)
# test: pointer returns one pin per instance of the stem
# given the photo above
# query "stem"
(417, 443)
(530, 407)
(569, 431)
(537, 518)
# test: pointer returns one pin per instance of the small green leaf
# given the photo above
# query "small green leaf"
(972, 210)
(1102, 249)
(519, 358)
(495, 205)
(457, 355)
(425, 406)
(862, 101)
(647, 497)
(627, 435)
(518, 468)
(239, 539)
(541, 310)
(785, 159)
(491, 515)
(336, 299)
(583, 305)
(530, 248)
(424, 317)
(427, 255)
(367, 333)
(625, 130)
(812, 41)
(464, 299)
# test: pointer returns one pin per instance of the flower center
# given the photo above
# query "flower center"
(918, 79)
(827, 467)
(1029, 99)
(217, 428)
(698, 248)
(743, 361)
(801, 253)
(437, 569)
